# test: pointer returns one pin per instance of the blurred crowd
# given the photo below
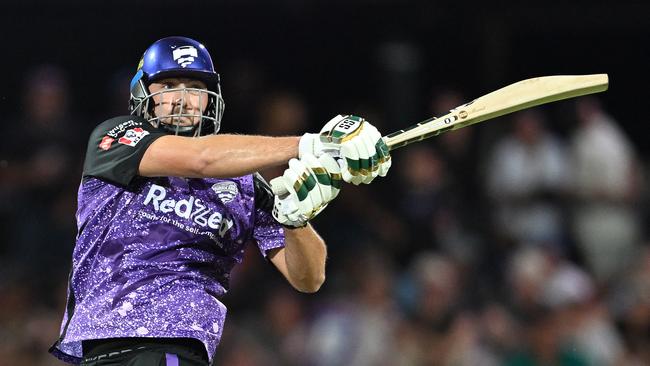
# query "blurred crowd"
(520, 243)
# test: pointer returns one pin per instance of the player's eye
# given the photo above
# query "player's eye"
(196, 86)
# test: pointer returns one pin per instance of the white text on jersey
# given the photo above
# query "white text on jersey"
(191, 208)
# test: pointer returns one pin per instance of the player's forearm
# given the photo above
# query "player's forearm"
(215, 156)
(236, 155)
(305, 255)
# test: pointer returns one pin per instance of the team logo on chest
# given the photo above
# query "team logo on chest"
(133, 136)
(226, 191)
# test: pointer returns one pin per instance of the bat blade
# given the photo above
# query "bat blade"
(514, 97)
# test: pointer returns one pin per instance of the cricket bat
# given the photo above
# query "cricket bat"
(514, 97)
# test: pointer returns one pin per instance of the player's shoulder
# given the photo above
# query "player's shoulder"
(116, 147)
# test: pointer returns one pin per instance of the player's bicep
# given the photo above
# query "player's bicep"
(172, 156)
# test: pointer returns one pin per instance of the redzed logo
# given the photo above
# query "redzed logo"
(106, 143)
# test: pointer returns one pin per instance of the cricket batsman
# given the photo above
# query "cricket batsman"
(166, 206)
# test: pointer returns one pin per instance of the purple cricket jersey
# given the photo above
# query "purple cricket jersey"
(153, 255)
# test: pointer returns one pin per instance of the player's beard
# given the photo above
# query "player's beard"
(190, 117)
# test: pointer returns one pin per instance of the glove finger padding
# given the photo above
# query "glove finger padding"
(334, 170)
(305, 185)
(305, 189)
(278, 187)
(350, 164)
(285, 207)
(361, 156)
(356, 154)
(385, 161)
(328, 176)
(369, 140)
(311, 144)
(289, 205)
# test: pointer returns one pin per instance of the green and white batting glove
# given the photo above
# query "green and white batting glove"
(356, 143)
(305, 189)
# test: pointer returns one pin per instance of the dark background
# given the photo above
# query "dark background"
(330, 51)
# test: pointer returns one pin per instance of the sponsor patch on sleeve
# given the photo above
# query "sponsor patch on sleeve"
(133, 136)
(106, 143)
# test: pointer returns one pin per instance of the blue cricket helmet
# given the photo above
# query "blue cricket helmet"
(177, 57)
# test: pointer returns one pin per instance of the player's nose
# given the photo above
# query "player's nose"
(180, 96)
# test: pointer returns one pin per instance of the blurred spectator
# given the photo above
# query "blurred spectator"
(358, 218)
(630, 301)
(438, 283)
(459, 149)
(459, 224)
(39, 182)
(551, 290)
(605, 185)
(536, 293)
(423, 182)
(285, 329)
(281, 113)
(446, 332)
(28, 321)
(358, 329)
(430, 206)
(37, 204)
(241, 348)
(528, 269)
(526, 177)
(543, 344)
(583, 320)
(275, 336)
(500, 329)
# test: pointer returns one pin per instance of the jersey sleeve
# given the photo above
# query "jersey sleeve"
(116, 147)
(267, 233)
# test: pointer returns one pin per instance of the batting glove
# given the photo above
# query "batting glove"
(305, 189)
(357, 144)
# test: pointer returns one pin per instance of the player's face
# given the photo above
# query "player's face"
(186, 99)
